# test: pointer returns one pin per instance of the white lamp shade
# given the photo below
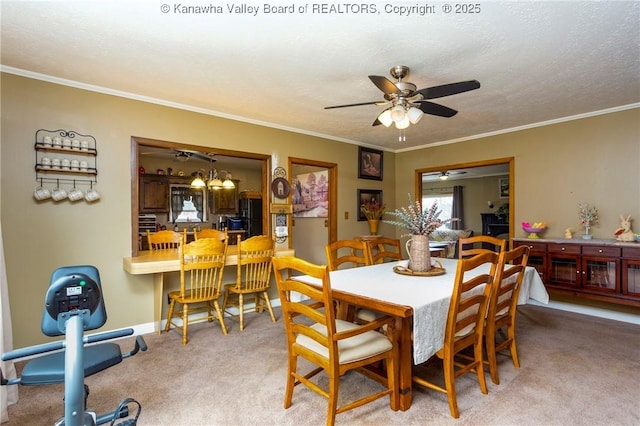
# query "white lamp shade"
(403, 124)
(414, 114)
(198, 183)
(228, 183)
(385, 118)
(397, 113)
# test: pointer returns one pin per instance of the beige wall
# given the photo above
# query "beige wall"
(595, 159)
(38, 238)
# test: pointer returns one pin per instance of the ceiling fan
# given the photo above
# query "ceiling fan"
(444, 175)
(178, 155)
(406, 104)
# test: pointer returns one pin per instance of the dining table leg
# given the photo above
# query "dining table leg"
(405, 349)
(158, 296)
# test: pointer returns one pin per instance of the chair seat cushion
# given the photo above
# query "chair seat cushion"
(49, 369)
(367, 315)
(352, 349)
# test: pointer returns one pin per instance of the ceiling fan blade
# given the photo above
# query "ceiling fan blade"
(384, 84)
(449, 89)
(352, 105)
(436, 109)
(376, 122)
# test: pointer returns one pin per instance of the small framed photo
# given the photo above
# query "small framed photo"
(369, 163)
(370, 198)
(503, 187)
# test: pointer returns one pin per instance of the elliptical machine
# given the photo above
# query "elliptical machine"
(73, 304)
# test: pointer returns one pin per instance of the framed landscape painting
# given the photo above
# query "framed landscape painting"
(369, 163)
(503, 187)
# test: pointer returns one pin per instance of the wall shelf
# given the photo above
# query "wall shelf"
(65, 156)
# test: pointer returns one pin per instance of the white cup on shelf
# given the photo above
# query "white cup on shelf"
(46, 162)
(84, 166)
(92, 195)
(75, 165)
(57, 142)
(58, 194)
(75, 144)
(65, 163)
(41, 193)
(55, 163)
(75, 194)
(84, 145)
(47, 141)
(66, 143)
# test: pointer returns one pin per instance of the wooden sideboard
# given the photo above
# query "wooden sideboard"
(604, 270)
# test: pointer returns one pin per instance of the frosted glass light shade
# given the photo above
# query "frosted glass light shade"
(403, 124)
(198, 183)
(397, 113)
(385, 118)
(414, 114)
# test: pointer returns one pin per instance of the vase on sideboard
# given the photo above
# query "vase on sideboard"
(373, 226)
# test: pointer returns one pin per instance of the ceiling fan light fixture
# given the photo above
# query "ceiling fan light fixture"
(398, 114)
(414, 114)
(385, 118)
(444, 176)
(404, 123)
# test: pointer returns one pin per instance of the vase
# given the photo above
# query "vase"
(419, 253)
(373, 226)
(586, 236)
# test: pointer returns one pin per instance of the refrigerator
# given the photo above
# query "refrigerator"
(251, 213)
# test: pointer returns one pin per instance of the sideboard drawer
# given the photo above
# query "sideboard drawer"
(564, 248)
(631, 252)
(601, 251)
(533, 246)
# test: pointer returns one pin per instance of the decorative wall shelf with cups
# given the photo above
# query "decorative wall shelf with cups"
(65, 158)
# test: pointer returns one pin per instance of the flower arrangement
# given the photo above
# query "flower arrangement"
(416, 221)
(588, 215)
(372, 209)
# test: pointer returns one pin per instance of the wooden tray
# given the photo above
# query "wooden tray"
(435, 271)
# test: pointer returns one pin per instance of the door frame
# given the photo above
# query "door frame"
(507, 160)
(332, 225)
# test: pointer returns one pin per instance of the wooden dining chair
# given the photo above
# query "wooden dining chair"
(464, 327)
(211, 233)
(165, 240)
(333, 345)
(253, 276)
(385, 249)
(471, 246)
(201, 269)
(351, 253)
(503, 307)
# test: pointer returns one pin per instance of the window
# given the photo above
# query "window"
(445, 204)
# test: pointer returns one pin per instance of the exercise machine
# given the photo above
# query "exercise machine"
(74, 304)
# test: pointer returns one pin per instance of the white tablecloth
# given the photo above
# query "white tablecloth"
(428, 296)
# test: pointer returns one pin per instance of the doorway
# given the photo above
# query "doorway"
(468, 172)
(309, 235)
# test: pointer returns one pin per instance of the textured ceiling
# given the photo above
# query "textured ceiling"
(536, 61)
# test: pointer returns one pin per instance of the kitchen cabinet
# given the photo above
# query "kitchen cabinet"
(604, 270)
(225, 201)
(154, 194)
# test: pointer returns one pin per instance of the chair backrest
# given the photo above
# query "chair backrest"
(507, 282)
(351, 252)
(164, 240)
(385, 249)
(211, 233)
(254, 262)
(468, 305)
(299, 315)
(475, 245)
(203, 262)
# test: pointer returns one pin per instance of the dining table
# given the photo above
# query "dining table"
(419, 305)
(159, 262)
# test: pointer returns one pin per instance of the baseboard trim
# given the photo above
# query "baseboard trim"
(590, 310)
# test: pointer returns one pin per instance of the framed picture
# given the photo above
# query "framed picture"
(369, 163)
(503, 187)
(369, 197)
(310, 194)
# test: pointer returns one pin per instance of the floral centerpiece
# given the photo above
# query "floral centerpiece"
(373, 211)
(588, 215)
(419, 224)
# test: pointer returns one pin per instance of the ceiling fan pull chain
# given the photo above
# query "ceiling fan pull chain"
(401, 136)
